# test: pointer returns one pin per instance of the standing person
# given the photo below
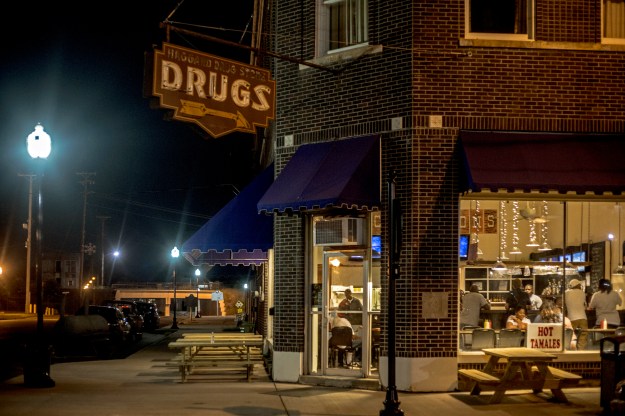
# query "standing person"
(350, 303)
(604, 302)
(575, 301)
(535, 300)
(472, 304)
(517, 297)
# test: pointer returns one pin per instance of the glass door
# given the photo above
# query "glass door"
(344, 340)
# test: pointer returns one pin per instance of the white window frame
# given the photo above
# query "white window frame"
(604, 19)
(501, 36)
(324, 26)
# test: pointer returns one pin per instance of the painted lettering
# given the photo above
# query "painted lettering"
(196, 79)
(169, 69)
(545, 331)
(241, 93)
(263, 104)
(223, 90)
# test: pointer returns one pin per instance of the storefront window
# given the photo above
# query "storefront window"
(544, 244)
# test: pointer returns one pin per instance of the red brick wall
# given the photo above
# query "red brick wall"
(426, 68)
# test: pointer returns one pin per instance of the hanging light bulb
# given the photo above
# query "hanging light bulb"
(544, 246)
(500, 266)
(515, 228)
(533, 241)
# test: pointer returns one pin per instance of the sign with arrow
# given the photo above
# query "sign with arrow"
(218, 94)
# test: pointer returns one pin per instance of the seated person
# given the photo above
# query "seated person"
(519, 320)
(551, 313)
(338, 321)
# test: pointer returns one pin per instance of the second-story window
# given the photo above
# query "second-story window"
(342, 24)
(500, 19)
(613, 20)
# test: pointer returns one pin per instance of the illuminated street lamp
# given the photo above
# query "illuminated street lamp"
(37, 369)
(197, 275)
(174, 254)
(115, 255)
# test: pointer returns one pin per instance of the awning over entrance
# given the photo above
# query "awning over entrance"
(544, 162)
(237, 234)
(337, 174)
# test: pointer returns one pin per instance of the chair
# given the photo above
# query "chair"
(467, 339)
(482, 338)
(619, 331)
(568, 337)
(510, 338)
(340, 343)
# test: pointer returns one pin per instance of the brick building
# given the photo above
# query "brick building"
(421, 83)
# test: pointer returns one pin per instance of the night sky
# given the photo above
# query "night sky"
(77, 68)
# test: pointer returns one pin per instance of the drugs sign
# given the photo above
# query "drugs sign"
(218, 94)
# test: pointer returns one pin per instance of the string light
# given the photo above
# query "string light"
(515, 228)
(476, 228)
(499, 265)
(503, 231)
(544, 246)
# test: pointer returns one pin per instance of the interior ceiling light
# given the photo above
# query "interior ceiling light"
(500, 266)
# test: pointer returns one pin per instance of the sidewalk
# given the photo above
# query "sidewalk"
(142, 385)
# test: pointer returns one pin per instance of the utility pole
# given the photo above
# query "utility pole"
(28, 228)
(102, 218)
(87, 179)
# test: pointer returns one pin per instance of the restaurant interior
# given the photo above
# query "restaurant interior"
(545, 243)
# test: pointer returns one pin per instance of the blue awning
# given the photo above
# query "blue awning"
(237, 234)
(338, 174)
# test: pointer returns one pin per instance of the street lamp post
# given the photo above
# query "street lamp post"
(174, 254)
(37, 367)
(28, 227)
(197, 275)
(391, 402)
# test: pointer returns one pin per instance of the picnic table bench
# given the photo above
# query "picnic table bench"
(525, 369)
(217, 352)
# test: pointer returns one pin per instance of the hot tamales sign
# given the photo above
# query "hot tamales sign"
(215, 93)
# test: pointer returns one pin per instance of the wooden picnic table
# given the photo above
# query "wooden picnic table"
(217, 351)
(526, 368)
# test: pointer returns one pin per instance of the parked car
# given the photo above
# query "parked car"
(119, 328)
(151, 317)
(132, 313)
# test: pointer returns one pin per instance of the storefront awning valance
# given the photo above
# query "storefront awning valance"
(338, 174)
(543, 162)
(237, 234)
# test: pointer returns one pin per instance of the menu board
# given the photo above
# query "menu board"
(597, 258)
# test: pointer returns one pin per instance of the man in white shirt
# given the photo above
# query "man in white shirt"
(534, 298)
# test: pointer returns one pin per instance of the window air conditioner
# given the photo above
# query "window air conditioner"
(339, 231)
